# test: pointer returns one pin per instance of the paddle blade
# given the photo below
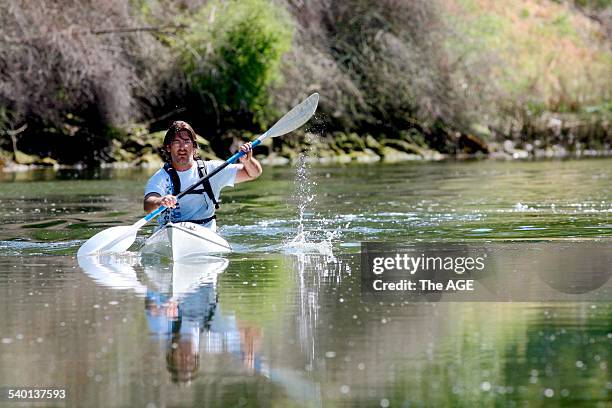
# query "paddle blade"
(115, 239)
(295, 118)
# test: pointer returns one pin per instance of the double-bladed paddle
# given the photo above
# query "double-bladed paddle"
(119, 239)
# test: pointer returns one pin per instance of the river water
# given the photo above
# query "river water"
(281, 320)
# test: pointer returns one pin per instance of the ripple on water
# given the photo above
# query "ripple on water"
(16, 248)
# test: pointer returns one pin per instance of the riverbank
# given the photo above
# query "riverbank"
(337, 148)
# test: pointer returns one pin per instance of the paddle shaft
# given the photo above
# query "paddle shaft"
(192, 187)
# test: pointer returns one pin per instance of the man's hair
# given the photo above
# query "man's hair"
(174, 129)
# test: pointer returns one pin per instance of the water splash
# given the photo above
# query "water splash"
(313, 234)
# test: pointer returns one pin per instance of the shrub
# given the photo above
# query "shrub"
(232, 56)
(70, 76)
(53, 64)
(381, 65)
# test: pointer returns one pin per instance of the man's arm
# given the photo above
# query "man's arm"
(251, 168)
(153, 200)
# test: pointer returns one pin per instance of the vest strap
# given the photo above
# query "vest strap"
(207, 187)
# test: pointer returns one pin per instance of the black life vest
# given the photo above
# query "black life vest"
(207, 188)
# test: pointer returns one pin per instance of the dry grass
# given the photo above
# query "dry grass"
(548, 55)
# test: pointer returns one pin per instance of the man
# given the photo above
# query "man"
(183, 168)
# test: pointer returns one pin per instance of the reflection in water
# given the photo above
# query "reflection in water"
(113, 271)
(312, 272)
(444, 354)
(301, 320)
(181, 306)
(183, 311)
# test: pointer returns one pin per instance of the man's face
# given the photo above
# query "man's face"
(181, 150)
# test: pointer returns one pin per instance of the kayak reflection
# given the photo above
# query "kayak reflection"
(124, 272)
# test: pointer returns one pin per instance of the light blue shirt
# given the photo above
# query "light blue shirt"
(192, 206)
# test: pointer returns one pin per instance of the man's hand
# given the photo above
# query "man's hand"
(248, 149)
(251, 168)
(168, 201)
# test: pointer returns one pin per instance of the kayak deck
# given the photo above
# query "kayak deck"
(185, 240)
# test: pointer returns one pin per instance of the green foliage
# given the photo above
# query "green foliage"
(233, 54)
(563, 26)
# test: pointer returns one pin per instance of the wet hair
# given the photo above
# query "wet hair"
(176, 127)
(182, 365)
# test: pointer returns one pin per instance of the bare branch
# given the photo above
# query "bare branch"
(157, 29)
(167, 29)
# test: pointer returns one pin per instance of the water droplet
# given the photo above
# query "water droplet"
(485, 386)
(549, 393)
(384, 403)
(345, 389)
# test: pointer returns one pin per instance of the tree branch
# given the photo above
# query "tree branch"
(157, 29)
(118, 30)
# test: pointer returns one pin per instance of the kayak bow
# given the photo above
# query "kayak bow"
(184, 241)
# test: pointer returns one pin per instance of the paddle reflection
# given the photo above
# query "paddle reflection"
(114, 271)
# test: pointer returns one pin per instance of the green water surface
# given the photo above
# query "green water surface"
(283, 324)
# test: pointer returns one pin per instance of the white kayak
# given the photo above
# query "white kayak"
(185, 241)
